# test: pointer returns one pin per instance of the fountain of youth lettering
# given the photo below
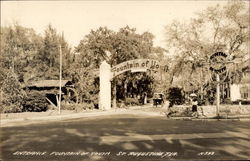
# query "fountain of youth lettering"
(107, 74)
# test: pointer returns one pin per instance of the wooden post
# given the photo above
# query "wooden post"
(223, 92)
(57, 100)
(114, 91)
(218, 95)
(51, 102)
(60, 81)
(201, 84)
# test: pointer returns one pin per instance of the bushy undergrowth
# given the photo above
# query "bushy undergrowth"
(131, 101)
(11, 93)
(175, 96)
(78, 107)
(35, 102)
(13, 108)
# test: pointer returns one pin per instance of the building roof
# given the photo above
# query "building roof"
(49, 83)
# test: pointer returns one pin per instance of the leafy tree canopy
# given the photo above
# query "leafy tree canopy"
(123, 45)
(218, 28)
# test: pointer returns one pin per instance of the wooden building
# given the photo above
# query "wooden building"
(51, 89)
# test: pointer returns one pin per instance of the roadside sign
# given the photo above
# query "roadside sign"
(218, 62)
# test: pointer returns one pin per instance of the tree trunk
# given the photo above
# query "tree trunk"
(125, 90)
(114, 93)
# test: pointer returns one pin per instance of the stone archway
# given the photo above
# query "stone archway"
(107, 73)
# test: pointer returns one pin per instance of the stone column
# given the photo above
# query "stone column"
(105, 86)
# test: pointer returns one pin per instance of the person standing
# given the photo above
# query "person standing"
(145, 98)
(194, 107)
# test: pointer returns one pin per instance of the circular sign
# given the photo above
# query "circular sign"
(218, 62)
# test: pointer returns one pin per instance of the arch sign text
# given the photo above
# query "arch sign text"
(136, 65)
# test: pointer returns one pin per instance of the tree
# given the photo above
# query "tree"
(123, 45)
(19, 47)
(47, 59)
(11, 93)
(218, 28)
(26, 56)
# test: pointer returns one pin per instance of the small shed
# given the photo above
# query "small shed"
(51, 89)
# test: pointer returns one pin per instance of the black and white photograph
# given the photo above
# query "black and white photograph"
(125, 80)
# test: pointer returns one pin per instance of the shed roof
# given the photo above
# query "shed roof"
(48, 83)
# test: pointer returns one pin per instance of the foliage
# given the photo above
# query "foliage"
(35, 102)
(26, 56)
(34, 57)
(78, 107)
(131, 101)
(74, 107)
(175, 96)
(11, 94)
(19, 47)
(31, 56)
(243, 102)
(218, 28)
(134, 84)
(49, 54)
(123, 45)
(13, 108)
(187, 112)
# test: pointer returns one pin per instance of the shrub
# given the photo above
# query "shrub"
(175, 96)
(187, 112)
(69, 106)
(227, 101)
(13, 108)
(35, 102)
(87, 105)
(243, 102)
(78, 107)
(120, 104)
(11, 93)
(131, 101)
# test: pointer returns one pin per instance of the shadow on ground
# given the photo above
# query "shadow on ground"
(87, 136)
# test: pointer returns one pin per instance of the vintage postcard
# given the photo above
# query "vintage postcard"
(124, 80)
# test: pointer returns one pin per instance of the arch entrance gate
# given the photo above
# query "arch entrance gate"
(107, 74)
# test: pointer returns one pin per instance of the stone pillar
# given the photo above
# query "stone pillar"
(105, 86)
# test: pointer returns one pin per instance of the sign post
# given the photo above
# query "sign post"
(60, 81)
(218, 95)
(217, 66)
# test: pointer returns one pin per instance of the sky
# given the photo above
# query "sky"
(77, 18)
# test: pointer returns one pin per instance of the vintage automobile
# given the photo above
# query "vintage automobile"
(158, 99)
